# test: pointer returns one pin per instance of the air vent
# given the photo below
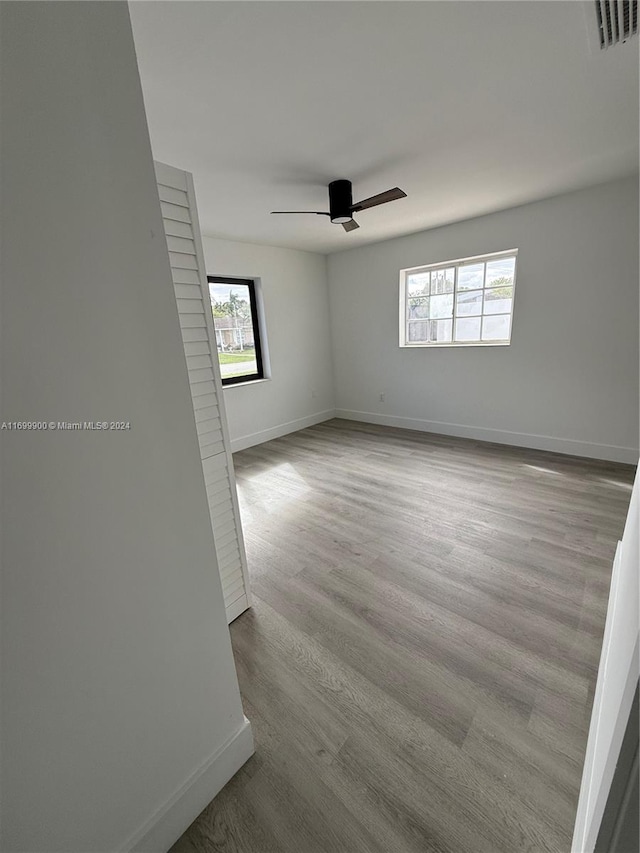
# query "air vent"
(617, 20)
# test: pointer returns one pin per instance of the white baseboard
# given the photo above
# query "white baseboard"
(164, 828)
(571, 447)
(281, 429)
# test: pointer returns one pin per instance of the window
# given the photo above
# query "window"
(235, 319)
(458, 303)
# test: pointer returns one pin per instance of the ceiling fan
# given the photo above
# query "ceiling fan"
(342, 208)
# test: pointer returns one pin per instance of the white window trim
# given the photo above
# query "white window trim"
(404, 344)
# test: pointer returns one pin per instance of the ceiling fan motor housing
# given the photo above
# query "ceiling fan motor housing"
(340, 201)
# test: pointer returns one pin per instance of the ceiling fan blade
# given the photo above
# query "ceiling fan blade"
(381, 198)
(315, 212)
(351, 225)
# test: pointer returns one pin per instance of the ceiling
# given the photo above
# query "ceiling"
(470, 107)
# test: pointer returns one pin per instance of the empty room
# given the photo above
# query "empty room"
(320, 426)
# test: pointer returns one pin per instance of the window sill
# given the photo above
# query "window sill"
(245, 384)
(457, 344)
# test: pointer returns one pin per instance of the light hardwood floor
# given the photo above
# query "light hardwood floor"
(420, 660)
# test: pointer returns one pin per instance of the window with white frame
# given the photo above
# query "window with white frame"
(468, 302)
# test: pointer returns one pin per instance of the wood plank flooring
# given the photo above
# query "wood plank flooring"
(420, 660)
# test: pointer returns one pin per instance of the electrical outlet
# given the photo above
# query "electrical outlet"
(382, 397)
(314, 393)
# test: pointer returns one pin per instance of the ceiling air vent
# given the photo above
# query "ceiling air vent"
(617, 20)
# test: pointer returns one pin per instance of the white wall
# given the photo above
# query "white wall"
(296, 312)
(118, 682)
(616, 685)
(569, 380)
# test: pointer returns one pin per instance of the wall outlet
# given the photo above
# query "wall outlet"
(382, 396)
(314, 393)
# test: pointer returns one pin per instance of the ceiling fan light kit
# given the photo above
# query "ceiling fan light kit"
(340, 201)
(342, 208)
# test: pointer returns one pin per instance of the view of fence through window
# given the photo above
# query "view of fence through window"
(467, 302)
(235, 330)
